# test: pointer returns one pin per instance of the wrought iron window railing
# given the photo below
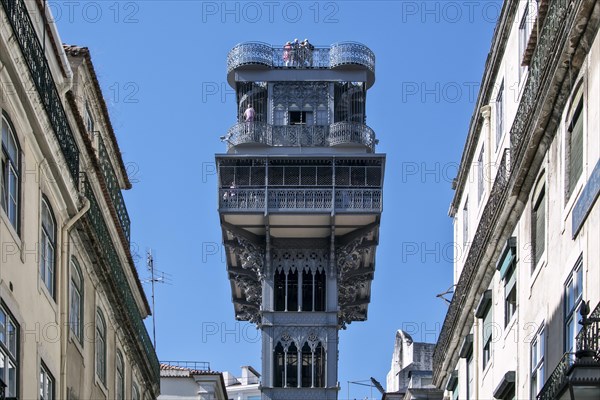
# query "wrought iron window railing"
(321, 57)
(359, 200)
(33, 52)
(114, 189)
(117, 273)
(301, 135)
(588, 338)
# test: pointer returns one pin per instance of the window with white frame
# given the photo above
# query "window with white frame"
(100, 346)
(499, 114)
(538, 227)
(480, 175)
(120, 377)
(46, 384)
(538, 352)
(465, 224)
(10, 179)
(510, 293)
(76, 309)
(9, 361)
(484, 312)
(525, 29)
(48, 247)
(573, 298)
(470, 378)
(574, 146)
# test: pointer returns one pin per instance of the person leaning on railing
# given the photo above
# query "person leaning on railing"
(307, 53)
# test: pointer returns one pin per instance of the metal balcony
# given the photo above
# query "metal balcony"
(284, 200)
(587, 356)
(337, 134)
(339, 55)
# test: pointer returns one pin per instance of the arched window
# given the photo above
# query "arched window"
(11, 177)
(47, 247)
(313, 291)
(319, 363)
(279, 364)
(100, 346)
(307, 364)
(135, 392)
(292, 366)
(286, 291)
(120, 377)
(76, 311)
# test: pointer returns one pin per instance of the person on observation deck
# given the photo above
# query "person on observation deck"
(287, 53)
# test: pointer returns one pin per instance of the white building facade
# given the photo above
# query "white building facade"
(526, 215)
(71, 303)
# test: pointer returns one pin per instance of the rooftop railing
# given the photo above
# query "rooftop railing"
(339, 133)
(191, 365)
(338, 54)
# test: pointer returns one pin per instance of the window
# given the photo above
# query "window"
(135, 392)
(76, 311)
(574, 147)
(313, 291)
(10, 179)
(525, 29)
(100, 346)
(573, 295)
(279, 115)
(537, 362)
(499, 114)
(301, 118)
(286, 291)
(89, 119)
(538, 228)
(46, 384)
(480, 180)
(322, 115)
(470, 378)
(47, 247)
(308, 365)
(465, 223)
(120, 378)
(9, 363)
(487, 330)
(510, 293)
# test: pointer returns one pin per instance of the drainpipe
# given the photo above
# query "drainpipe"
(64, 278)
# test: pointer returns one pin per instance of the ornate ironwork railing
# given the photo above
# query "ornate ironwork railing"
(301, 135)
(589, 336)
(337, 54)
(559, 12)
(33, 52)
(476, 252)
(114, 188)
(360, 200)
(558, 379)
(587, 340)
(117, 274)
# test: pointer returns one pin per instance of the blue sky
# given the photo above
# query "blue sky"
(161, 65)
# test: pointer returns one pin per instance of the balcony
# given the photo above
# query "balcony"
(337, 134)
(580, 370)
(282, 200)
(349, 55)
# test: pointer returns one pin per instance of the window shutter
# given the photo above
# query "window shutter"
(575, 149)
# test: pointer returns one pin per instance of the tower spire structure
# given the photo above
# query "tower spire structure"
(300, 203)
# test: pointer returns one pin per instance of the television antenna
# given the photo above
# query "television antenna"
(156, 276)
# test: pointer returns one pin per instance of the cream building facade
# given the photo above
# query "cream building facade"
(71, 303)
(526, 215)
